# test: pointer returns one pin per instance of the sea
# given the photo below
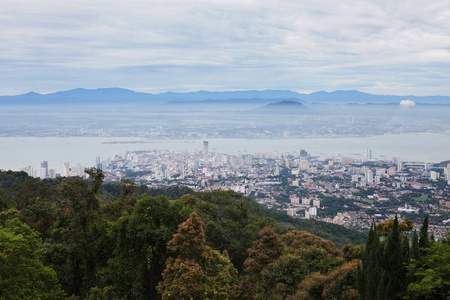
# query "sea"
(18, 152)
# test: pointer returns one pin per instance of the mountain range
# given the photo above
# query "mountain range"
(119, 95)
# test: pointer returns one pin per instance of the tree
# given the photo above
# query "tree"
(385, 228)
(78, 246)
(394, 258)
(22, 273)
(415, 252)
(140, 251)
(232, 222)
(370, 281)
(280, 278)
(429, 277)
(194, 270)
(423, 237)
(319, 255)
(352, 252)
(97, 178)
(339, 284)
(266, 249)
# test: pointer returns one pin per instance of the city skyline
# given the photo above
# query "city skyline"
(298, 183)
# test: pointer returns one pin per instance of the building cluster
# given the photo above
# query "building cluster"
(333, 188)
(66, 170)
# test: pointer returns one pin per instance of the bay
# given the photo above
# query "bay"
(17, 152)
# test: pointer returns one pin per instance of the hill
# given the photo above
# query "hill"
(69, 238)
(282, 107)
(119, 95)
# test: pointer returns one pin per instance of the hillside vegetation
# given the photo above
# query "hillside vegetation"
(70, 238)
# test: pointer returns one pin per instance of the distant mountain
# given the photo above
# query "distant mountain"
(286, 104)
(358, 97)
(205, 95)
(119, 95)
(236, 101)
(78, 96)
(283, 107)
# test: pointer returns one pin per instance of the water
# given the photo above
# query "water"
(17, 152)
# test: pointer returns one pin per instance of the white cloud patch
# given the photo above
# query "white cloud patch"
(390, 47)
(407, 103)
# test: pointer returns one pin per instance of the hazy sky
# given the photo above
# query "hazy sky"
(385, 47)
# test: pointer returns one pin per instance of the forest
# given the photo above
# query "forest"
(70, 238)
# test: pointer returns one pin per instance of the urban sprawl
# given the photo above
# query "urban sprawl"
(333, 188)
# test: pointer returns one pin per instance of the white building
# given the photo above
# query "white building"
(306, 214)
(407, 209)
(434, 175)
(291, 211)
(316, 202)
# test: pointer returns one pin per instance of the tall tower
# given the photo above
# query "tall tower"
(367, 154)
(44, 169)
(205, 151)
(98, 163)
(303, 155)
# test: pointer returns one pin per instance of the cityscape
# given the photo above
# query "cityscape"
(283, 150)
(332, 188)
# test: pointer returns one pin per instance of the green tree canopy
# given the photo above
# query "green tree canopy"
(22, 273)
(194, 270)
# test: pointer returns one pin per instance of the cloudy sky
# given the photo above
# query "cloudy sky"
(384, 47)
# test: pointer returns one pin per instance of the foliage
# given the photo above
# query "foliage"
(339, 284)
(22, 272)
(423, 237)
(276, 265)
(335, 233)
(265, 250)
(370, 274)
(10, 178)
(90, 240)
(429, 276)
(194, 270)
(231, 220)
(353, 252)
(395, 267)
(384, 228)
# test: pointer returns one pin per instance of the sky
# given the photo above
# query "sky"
(381, 47)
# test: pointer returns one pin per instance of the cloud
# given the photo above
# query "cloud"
(407, 103)
(398, 47)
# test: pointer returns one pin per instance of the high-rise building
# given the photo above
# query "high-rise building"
(434, 175)
(306, 201)
(367, 154)
(28, 170)
(205, 151)
(98, 163)
(303, 155)
(307, 213)
(44, 174)
(369, 176)
(67, 168)
(316, 202)
(377, 179)
(52, 173)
